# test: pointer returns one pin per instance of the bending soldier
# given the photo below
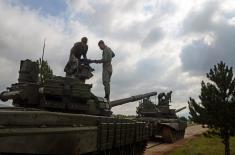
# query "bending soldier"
(107, 66)
(79, 49)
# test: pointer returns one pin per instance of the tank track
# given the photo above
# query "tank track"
(133, 149)
(171, 135)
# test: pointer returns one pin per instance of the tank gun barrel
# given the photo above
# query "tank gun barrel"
(4, 96)
(131, 99)
(180, 109)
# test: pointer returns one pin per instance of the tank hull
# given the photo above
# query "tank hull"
(49, 140)
(168, 130)
(30, 131)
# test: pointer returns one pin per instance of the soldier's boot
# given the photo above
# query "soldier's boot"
(107, 90)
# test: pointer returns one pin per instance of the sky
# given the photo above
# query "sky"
(160, 45)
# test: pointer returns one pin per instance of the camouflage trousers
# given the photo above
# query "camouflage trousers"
(106, 77)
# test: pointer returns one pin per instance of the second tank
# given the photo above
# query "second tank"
(162, 121)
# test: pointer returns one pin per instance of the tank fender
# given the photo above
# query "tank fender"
(174, 126)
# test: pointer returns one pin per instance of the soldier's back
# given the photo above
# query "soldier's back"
(78, 49)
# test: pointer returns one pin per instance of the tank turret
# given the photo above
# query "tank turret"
(147, 108)
(65, 94)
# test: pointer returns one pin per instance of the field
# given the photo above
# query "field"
(202, 145)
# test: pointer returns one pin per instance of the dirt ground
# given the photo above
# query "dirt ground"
(165, 149)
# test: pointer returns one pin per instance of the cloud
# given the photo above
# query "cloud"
(44, 7)
(198, 57)
(126, 21)
(14, 31)
(201, 19)
(22, 35)
(201, 54)
(153, 37)
(156, 42)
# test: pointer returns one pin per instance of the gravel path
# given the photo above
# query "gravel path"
(164, 149)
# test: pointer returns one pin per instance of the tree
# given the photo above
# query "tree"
(217, 107)
(45, 72)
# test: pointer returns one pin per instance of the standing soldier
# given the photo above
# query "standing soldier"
(79, 49)
(107, 66)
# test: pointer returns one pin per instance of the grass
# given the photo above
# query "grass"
(202, 145)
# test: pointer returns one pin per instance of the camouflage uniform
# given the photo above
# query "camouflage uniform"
(107, 69)
(76, 52)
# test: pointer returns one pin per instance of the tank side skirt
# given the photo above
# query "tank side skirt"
(119, 134)
(73, 140)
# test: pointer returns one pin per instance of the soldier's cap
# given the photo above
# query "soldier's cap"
(84, 39)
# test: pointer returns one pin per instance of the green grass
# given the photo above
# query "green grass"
(202, 145)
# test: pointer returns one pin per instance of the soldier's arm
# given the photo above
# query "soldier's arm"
(103, 60)
(85, 52)
(106, 57)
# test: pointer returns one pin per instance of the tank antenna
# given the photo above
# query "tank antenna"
(43, 50)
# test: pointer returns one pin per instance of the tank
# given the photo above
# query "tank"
(63, 116)
(162, 121)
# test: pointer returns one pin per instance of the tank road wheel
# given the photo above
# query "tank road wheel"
(180, 135)
(132, 149)
(140, 148)
(168, 135)
(177, 135)
(143, 147)
(183, 133)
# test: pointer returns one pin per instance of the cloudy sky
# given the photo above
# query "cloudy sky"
(160, 45)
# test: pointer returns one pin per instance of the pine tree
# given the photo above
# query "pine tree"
(217, 107)
(45, 72)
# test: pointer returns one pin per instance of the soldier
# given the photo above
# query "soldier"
(79, 49)
(161, 98)
(107, 66)
(168, 96)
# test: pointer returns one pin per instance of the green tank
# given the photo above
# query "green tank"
(63, 116)
(164, 121)
(161, 120)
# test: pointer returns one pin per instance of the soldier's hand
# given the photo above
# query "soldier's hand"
(97, 61)
(89, 60)
(93, 61)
